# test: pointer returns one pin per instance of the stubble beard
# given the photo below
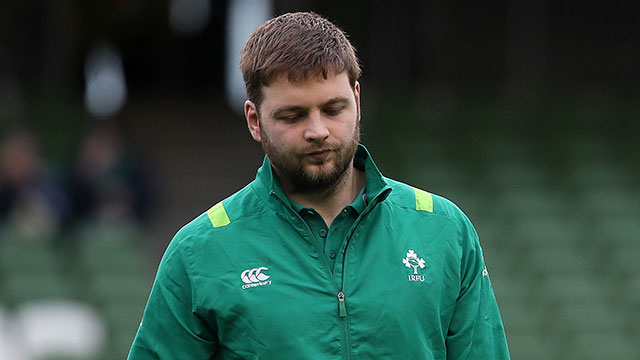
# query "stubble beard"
(295, 170)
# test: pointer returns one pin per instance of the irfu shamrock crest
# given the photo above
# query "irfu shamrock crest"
(412, 260)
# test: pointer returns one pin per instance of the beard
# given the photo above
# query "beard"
(294, 167)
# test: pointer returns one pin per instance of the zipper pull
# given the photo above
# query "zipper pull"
(341, 304)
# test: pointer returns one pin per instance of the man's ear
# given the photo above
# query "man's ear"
(356, 92)
(253, 122)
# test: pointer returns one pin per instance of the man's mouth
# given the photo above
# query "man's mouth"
(320, 155)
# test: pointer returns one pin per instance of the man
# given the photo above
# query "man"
(320, 257)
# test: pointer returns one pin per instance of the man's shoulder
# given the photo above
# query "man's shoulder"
(424, 202)
(427, 208)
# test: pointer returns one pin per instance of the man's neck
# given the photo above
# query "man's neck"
(329, 203)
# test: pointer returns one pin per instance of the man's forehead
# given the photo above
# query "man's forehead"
(310, 92)
(298, 76)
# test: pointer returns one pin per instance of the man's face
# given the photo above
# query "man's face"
(309, 130)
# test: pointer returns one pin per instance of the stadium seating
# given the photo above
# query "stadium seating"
(117, 274)
(96, 285)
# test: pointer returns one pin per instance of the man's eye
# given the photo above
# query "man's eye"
(290, 117)
(333, 111)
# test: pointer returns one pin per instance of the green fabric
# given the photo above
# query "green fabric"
(414, 282)
(333, 237)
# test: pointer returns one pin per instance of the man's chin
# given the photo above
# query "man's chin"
(321, 178)
(319, 170)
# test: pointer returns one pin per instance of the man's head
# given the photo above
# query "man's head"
(300, 45)
(304, 99)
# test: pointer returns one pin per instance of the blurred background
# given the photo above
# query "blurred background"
(120, 121)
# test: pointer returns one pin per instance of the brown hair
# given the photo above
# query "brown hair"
(298, 44)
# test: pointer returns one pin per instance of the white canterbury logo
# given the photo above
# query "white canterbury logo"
(255, 277)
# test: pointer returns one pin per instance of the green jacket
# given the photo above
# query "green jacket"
(249, 280)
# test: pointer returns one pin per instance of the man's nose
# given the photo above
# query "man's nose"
(316, 127)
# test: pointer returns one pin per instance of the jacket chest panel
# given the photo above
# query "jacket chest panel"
(401, 283)
(264, 278)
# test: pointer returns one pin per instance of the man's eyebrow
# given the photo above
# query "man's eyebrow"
(335, 100)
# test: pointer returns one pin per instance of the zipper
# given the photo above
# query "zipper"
(342, 308)
(342, 311)
(355, 225)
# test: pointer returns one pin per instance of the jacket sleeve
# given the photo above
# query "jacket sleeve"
(476, 330)
(170, 328)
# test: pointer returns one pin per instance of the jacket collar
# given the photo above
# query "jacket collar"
(267, 185)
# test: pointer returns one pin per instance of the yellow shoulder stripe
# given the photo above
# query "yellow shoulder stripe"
(218, 215)
(424, 200)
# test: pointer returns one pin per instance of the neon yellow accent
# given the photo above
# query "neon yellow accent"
(218, 215)
(424, 200)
